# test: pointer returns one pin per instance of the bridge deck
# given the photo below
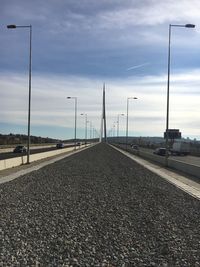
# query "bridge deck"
(97, 208)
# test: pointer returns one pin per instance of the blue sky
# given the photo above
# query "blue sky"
(79, 44)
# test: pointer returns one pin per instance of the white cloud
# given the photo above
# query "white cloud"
(147, 114)
(103, 17)
(106, 36)
(152, 12)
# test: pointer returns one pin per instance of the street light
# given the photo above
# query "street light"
(168, 83)
(128, 98)
(90, 130)
(29, 99)
(75, 116)
(122, 114)
(86, 121)
(113, 131)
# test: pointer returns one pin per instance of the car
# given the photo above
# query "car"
(161, 151)
(20, 149)
(135, 147)
(60, 145)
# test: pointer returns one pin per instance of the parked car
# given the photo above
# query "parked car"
(160, 151)
(20, 149)
(60, 145)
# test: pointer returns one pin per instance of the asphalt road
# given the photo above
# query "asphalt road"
(9, 155)
(186, 159)
(97, 208)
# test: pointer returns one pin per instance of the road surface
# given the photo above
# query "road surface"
(187, 159)
(97, 208)
(8, 155)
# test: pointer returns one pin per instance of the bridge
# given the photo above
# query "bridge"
(96, 207)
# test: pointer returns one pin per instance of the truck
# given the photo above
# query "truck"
(180, 148)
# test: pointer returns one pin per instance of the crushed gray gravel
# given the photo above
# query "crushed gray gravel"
(97, 208)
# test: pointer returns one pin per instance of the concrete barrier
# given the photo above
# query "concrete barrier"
(17, 161)
(190, 169)
(13, 162)
(152, 157)
(186, 168)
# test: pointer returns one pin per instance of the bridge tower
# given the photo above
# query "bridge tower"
(103, 119)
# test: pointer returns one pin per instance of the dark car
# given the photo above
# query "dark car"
(135, 147)
(160, 151)
(20, 149)
(60, 145)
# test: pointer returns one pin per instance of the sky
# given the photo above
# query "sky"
(77, 45)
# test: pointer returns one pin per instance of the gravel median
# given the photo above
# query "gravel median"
(97, 208)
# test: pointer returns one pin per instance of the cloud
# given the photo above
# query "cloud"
(50, 106)
(96, 37)
(137, 66)
(58, 16)
(150, 13)
(77, 45)
(49, 103)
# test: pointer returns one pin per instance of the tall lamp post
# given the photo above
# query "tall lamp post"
(113, 132)
(29, 99)
(122, 114)
(128, 98)
(168, 84)
(86, 121)
(75, 117)
(90, 130)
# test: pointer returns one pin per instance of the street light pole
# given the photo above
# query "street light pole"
(168, 85)
(75, 117)
(114, 132)
(86, 121)
(85, 127)
(90, 130)
(30, 70)
(128, 98)
(118, 124)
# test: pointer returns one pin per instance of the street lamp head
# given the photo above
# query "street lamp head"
(71, 97)
(11, 26)
(189, 25)
(132, 98)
